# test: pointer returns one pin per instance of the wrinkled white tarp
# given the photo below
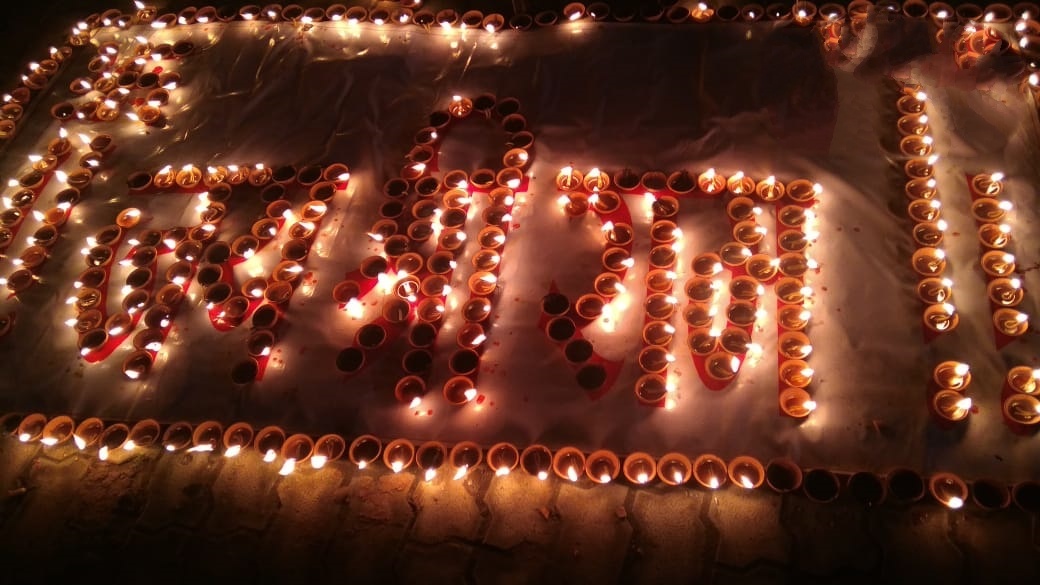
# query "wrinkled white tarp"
(761, 98)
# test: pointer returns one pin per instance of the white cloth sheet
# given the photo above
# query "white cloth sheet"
(761, 98)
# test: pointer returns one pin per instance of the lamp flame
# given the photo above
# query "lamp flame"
(288, 467)
(353, 308)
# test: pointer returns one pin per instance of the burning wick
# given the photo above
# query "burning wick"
(288, 467)
(994, 183)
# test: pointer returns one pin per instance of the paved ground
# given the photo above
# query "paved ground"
(172, 518)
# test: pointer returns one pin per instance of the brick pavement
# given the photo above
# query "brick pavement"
(157, 518)
(173, 518)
